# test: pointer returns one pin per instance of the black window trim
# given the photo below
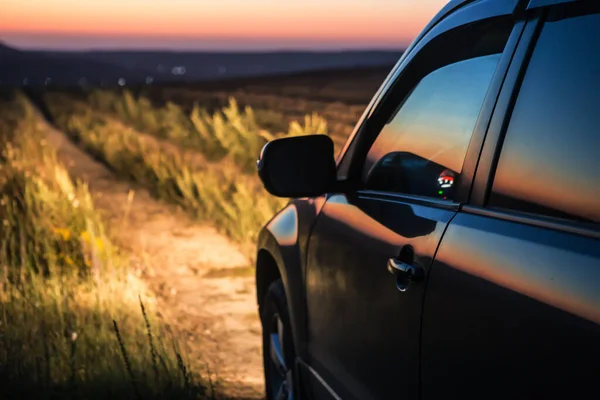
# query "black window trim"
(490, 152)
(537, 220)
(498, 123)
(399, 197)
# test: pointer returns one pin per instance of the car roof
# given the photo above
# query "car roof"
(448, 9)
(454, 5)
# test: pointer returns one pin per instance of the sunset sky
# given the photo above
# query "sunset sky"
(214, 24)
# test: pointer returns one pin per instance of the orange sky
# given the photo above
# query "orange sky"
(264, 23)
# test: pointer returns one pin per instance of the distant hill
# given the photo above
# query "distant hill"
(312, 78)
(107, 67)
(219, 65)
(34, 68)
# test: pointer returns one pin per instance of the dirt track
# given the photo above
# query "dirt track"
(204, 285)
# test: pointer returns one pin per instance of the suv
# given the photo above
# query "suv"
(452, 250)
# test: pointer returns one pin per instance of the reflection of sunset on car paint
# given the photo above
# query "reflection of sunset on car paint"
(573, 192)
(465, 250)
(230, 23)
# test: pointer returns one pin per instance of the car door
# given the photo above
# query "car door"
(371, 248)
(512, 308)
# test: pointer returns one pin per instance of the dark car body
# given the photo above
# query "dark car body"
(507, 303)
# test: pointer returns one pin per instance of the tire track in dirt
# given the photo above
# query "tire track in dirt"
(204, 284)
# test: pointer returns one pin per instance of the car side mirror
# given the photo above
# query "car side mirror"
(298, 166)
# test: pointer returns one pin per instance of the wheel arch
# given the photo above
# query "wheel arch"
(267, 272)
(281, 244)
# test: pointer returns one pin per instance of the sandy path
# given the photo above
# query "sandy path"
(204, 285)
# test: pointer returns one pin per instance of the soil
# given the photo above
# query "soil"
(203, 283)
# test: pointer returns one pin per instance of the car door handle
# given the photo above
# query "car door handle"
(404, 271)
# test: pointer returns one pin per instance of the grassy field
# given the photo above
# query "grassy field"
(339, 96)
(202, 161)
(74, 321)
(196, 145)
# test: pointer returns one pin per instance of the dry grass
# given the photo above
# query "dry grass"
(339, 96)
(273, 111)
(214, 187)
(73, 321)
(231, 131)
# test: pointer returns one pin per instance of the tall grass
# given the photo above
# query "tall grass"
(236, 203)
(72, 317)
(230, 132)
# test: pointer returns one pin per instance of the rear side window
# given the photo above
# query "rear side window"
(550, 158)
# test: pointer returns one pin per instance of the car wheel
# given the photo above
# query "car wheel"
(278, 347)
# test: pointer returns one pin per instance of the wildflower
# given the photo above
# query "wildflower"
(73, 336)
(75, 203)
(64, 233)
(99, 244)
(69, 260)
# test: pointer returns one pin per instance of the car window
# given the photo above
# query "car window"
(420, 151)
(550, 160)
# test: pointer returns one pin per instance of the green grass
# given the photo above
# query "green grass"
(74, 322)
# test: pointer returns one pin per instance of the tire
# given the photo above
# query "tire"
(278, 346)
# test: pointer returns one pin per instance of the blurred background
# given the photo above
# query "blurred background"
(190, 40)
(129, 202)
(297, 56)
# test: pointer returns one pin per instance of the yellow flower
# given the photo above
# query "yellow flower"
(99, 244)
(69, 260)
(64, 233)
(85, 236)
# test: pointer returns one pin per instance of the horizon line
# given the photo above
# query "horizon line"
(278, 49)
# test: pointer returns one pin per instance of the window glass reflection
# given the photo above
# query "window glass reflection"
(422, 149)
(549, 162)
